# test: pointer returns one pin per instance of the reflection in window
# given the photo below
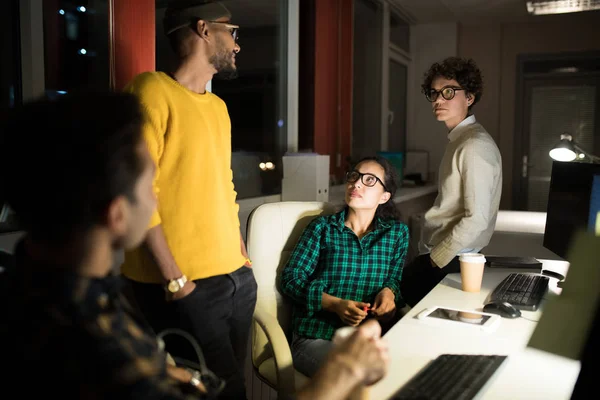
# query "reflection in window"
(256, 98)
(367, 84)
(10, 83)
(75, 45)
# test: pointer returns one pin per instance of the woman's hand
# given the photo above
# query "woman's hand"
(351, 312)
(385, 305)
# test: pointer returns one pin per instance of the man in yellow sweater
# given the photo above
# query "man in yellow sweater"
(192, 272)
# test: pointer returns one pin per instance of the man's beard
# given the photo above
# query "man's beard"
(223, 63)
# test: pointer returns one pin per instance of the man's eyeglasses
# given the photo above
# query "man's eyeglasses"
(447, 93)
(367, 179)
(233, 29)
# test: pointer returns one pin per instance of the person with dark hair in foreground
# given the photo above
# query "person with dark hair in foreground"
(464, 213)
(347, 266)
(79, 176)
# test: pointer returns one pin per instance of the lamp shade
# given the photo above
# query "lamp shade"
(564, 150)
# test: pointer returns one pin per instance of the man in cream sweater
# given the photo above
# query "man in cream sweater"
(463, 216)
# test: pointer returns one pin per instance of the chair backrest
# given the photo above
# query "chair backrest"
(272, 232)
(521, 221)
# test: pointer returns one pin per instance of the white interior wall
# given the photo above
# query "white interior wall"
(429, 43)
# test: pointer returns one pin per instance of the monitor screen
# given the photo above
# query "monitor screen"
(569, 201)
(594, 218)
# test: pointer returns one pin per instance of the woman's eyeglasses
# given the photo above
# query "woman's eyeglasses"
(447, 93)
(367, 179)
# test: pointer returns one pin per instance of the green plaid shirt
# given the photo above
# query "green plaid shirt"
(330, 258)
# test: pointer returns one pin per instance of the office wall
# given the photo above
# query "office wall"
(133, 40)
(429, 43)
(495, 48)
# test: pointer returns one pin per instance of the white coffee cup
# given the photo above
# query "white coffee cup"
(471, 271)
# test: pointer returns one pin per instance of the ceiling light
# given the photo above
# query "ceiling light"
(542, 7)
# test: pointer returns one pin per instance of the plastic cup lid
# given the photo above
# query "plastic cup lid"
(472, 257)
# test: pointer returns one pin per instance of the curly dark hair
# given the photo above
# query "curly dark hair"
(464, 71)
(391, 180)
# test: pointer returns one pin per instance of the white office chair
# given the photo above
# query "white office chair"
(272, 232)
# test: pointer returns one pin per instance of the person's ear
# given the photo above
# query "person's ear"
(202, 30)
(117, 216)
(470, 99)
(385, 197)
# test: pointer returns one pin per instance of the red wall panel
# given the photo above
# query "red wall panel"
(333, 80)
(133, 39)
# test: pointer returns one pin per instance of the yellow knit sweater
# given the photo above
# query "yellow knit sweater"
(189, 137)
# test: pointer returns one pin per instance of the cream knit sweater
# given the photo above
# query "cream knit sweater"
(469, 189)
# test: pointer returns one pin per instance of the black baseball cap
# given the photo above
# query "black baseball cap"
(181, 13)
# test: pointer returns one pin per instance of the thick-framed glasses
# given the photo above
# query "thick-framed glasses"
(233, 29)
(447, 93)
(367, 179)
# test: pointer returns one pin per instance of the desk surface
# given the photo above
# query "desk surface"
(526, 374)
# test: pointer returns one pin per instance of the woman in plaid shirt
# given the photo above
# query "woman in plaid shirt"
(347, 266)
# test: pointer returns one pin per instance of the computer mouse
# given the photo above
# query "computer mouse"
(502, 308)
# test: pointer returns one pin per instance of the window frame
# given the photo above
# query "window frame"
(392, 52)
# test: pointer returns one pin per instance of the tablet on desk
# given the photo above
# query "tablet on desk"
(469, 319)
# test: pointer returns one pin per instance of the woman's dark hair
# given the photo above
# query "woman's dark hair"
(391, 180)
(464, 71)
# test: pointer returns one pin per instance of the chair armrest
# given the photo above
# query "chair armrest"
(281, 349)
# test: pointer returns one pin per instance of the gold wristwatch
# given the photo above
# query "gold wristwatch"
(196, 378)
(175, 285)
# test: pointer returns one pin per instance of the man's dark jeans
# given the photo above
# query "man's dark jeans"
(218, 313)
(419, 277)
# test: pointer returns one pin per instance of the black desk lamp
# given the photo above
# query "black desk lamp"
(568, 150)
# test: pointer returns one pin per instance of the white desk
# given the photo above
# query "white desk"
(526, 374)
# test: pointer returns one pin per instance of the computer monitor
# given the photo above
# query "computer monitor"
(572, 204)
(594, 218)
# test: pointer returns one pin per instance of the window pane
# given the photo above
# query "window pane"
(10, 91)
(256, 99)
(397, 107)
(366, 96)
(399, 32)
(10, 85)
(75, 45)
(555, 110)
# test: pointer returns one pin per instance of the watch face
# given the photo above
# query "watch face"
(173, 286)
